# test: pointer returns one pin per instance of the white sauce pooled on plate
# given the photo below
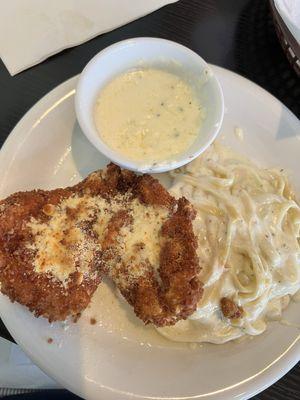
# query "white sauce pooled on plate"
(148, 115)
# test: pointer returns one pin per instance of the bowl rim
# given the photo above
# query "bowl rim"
(112, 154)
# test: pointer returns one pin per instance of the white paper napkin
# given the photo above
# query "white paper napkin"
(33, 30)
(18, 371)
(289, 11)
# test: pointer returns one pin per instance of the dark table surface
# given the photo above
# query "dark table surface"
(235, 34)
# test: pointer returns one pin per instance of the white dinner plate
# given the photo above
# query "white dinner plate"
(117, 357)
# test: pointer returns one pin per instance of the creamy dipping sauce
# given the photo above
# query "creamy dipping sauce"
(148, 115)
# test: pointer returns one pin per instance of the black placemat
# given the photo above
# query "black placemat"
(235, 34)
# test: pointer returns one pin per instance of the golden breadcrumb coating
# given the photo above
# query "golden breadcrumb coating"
(55, 247)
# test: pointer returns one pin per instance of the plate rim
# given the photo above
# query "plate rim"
(241, 390)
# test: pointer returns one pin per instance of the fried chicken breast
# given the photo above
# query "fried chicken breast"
(50, 258)
(154, 263)
(55, 247)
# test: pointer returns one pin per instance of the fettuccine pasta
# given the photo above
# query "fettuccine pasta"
(248, 228)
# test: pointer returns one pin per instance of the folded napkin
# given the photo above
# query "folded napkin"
(289, 11)
(33, 30)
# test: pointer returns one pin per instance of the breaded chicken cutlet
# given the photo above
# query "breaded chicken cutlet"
(55, 247)
(50, 258)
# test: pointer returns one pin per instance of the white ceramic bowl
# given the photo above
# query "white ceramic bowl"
(156, 53)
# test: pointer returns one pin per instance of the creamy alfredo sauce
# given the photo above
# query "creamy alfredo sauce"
(248, 229)
(148, 115)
